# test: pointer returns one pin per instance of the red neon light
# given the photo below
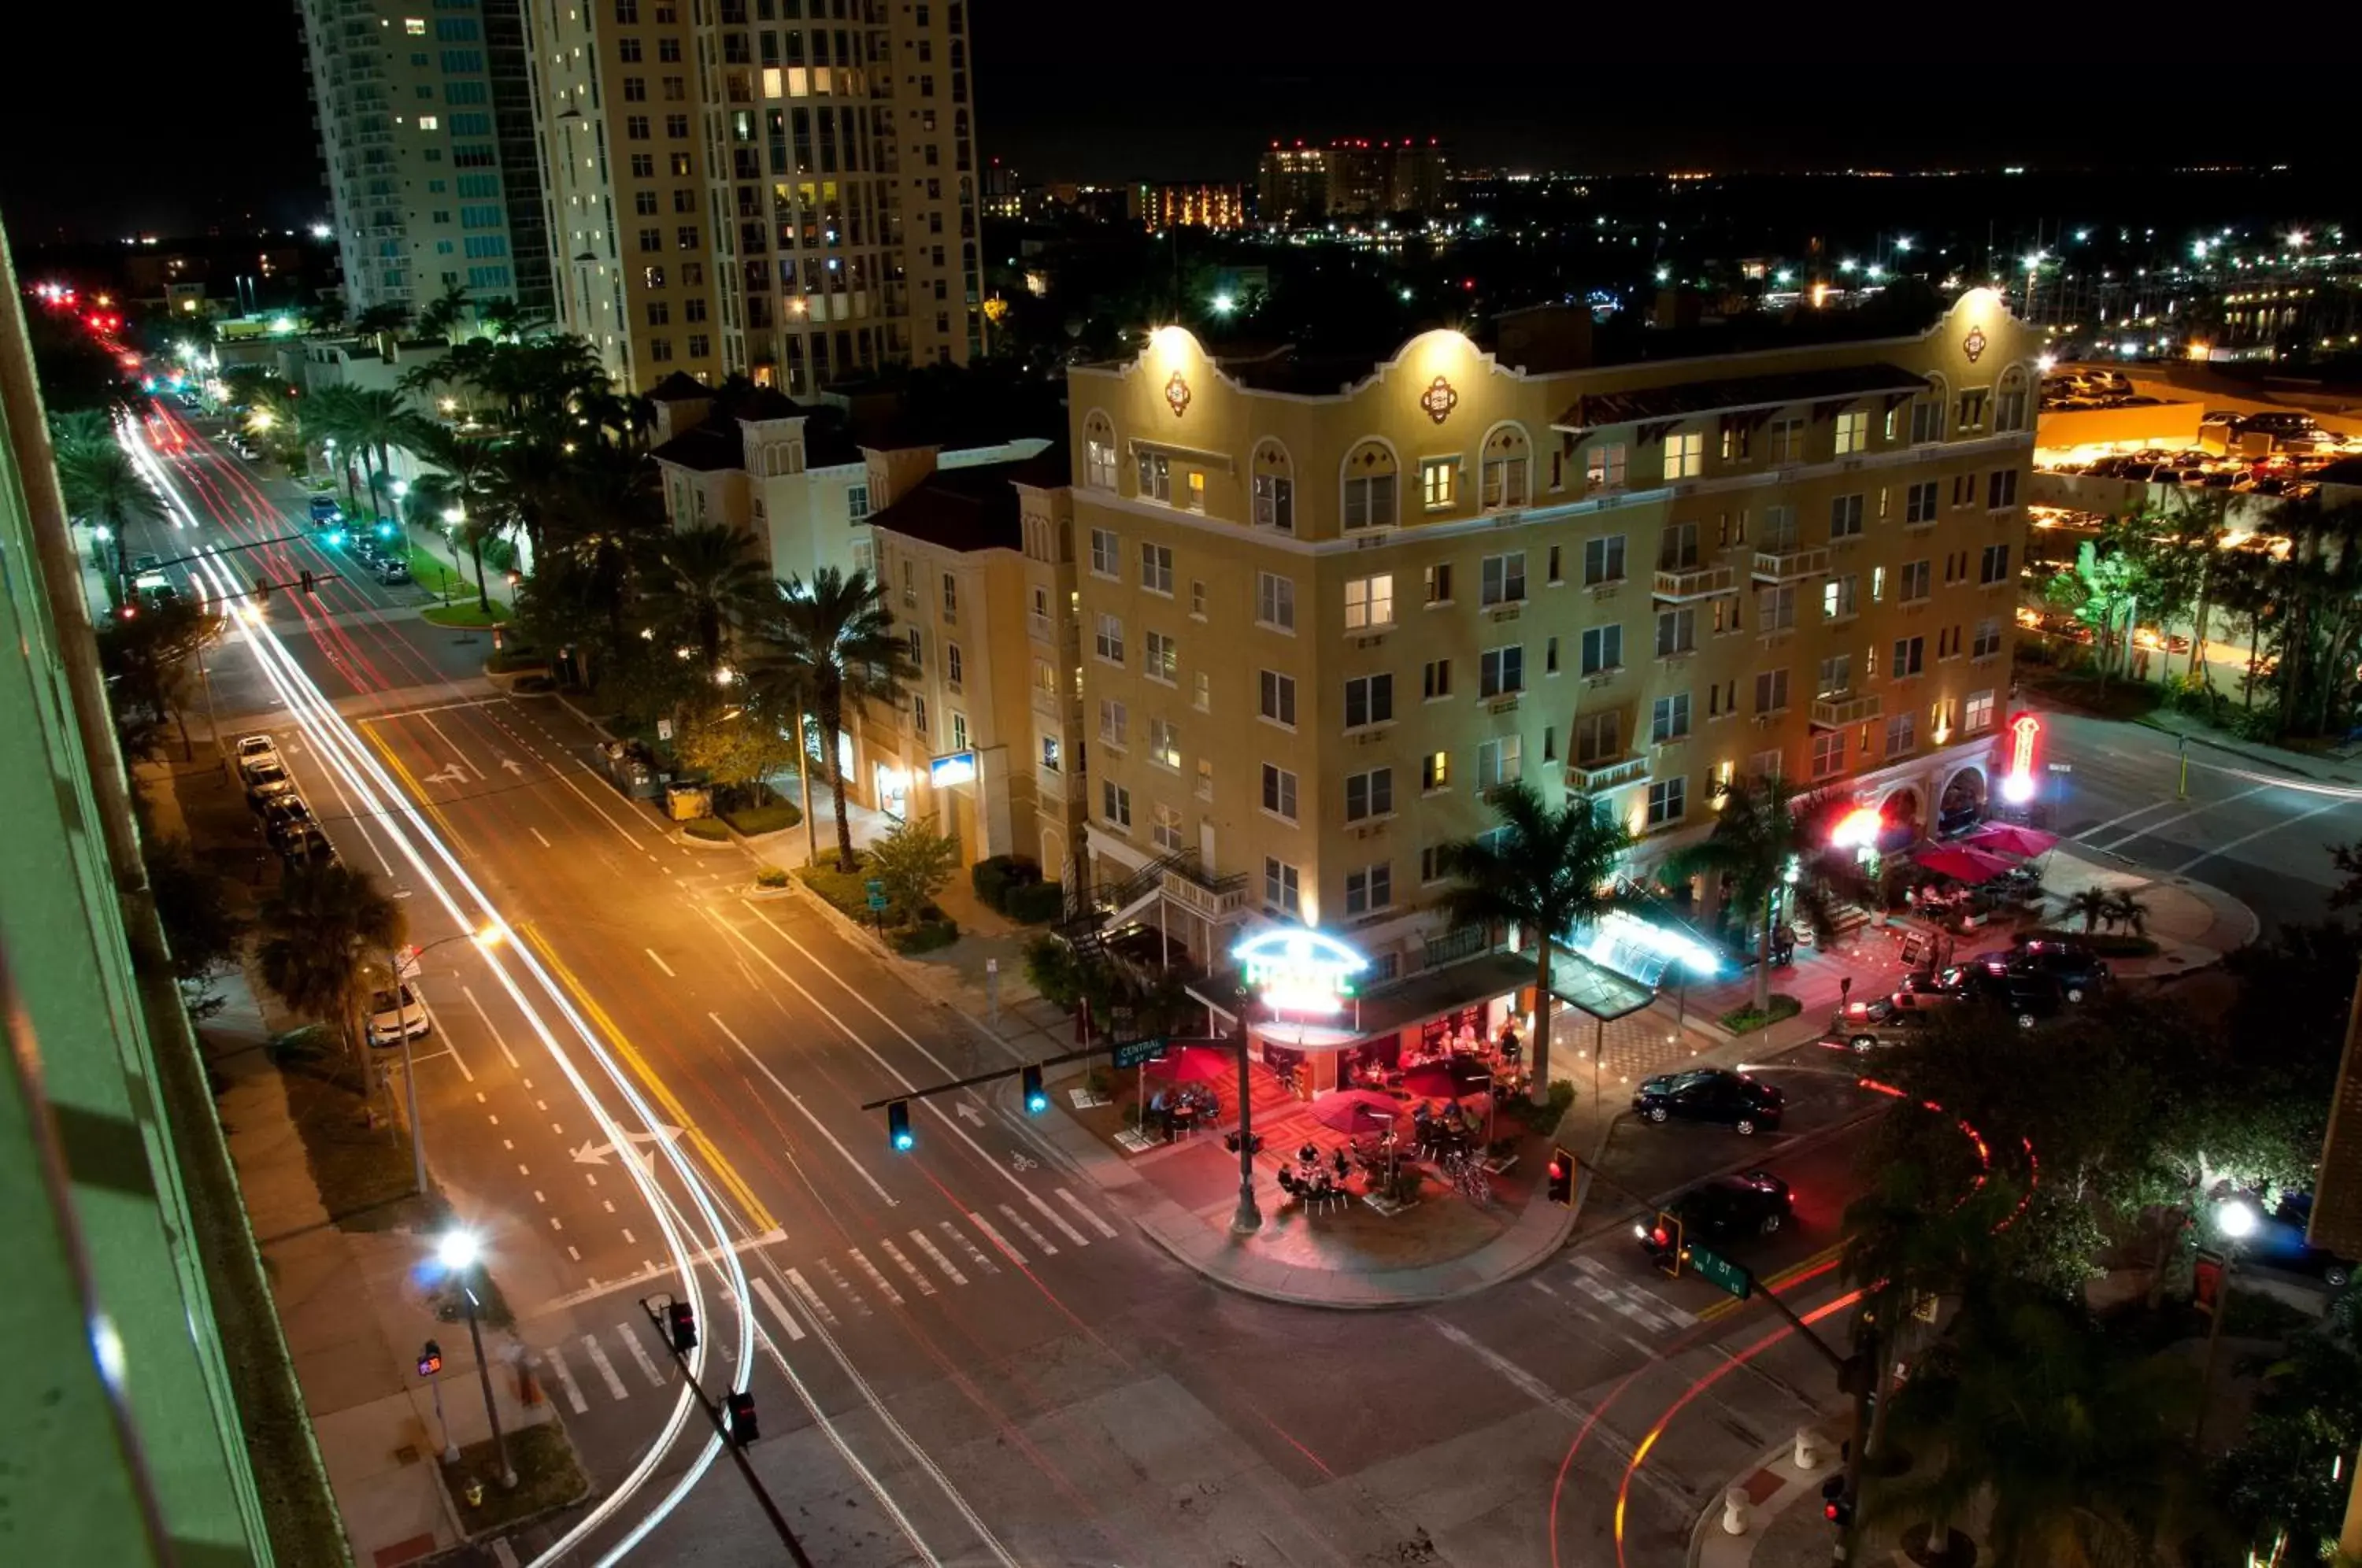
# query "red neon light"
(2022, 730)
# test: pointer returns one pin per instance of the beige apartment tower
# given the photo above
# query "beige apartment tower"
(780, 189)
(1324, 611)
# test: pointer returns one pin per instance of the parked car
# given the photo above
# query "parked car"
(324, 510)
(390, 571)
(2076, 967)
(396, 1013)
(2025, 995)
(265, 782)
(1737, 1100)
(305, 845)
(1754, 1204)
(256, 749)
(2278, 1241)
(1873, 1025)
(285, 818)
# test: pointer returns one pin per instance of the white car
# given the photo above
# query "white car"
(257, 748)
(392, 1016)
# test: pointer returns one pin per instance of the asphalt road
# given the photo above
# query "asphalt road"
(965, 1354)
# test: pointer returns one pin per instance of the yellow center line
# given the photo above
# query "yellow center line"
(752, 1206)
(416, 792)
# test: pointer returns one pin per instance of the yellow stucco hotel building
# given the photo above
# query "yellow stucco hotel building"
(1323, 609)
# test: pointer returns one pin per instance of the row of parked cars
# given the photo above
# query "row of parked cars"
(2034, 980)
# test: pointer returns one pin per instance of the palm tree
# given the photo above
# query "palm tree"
(320, 932)
(465, 481)
(702, 583)
(528, 477)
(101, 486)
(377, 422)
(1548, 871)
(440, 316)
(2094, 904)
(2125, 908)
(1771, 838)
(833, 639)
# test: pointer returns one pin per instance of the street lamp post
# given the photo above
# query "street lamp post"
(2236, 1220)
(458, 1252)
(487, 937)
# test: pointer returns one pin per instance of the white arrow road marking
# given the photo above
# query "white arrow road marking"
(513, 764)
(937, 1254)
(639, 1353)
(596, 1153)
(606, 1368)
(454, 774)
(1075, 1203)
(975, 1117)
(779, 1307)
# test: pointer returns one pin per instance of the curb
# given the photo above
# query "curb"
(1794, 1485)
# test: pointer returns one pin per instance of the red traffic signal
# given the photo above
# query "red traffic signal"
(741, 1408)
(681, 1317)
(1560, 1184)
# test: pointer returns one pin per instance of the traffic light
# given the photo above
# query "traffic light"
(682, 1319)
(897, 1127)
(1836, 1507)
(741, 1406)
(307, 582)
(430, 1359)
(1562, 1178)
(384, 530)
(262, 590)
(1666, 1237)
(1037, 1098)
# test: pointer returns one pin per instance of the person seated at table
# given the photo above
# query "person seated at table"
(1509, 1047)
(1288, 1182)
(1309, 1155)
(1340, 1163)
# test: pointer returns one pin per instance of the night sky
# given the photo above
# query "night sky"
(204, 118)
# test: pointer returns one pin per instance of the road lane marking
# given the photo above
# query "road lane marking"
(498, 1039)
(565, 1374)
(926, 1287)
(818, 1125)
(1041, 1242)
(447, 740)
(975, 1253)
(537, 834)
(1590, 1265)
(2151, 829)
(606, 1368)
(2221, 849)
(779, 1309)
(812, 1298)
(639, 1353)
(875, 1279)
(1607, 1296)
(1075, 1203)
(936, 1254)
(836, 1277)
(995, 1237)
(660, 963)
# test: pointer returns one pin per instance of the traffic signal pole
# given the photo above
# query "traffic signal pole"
(737, 1449)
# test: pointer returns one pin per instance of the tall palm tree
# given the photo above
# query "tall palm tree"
(377, 423)
(834, 639)
(101, 486)
(320, 932)
(1769, 838)
(1548, 871)
(703, 583)
(2126, 909)
(444, 313)
(529, 476)
(464, 480)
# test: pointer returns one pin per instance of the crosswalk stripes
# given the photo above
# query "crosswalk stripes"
(555, 1361)
(639, 1353)
(812, 1298)
(935, 1254)
(836, 1277)
(606, 1368)
(1030, 1235)
(861, 1261)
(779, 1307)
(1052, 1215)
(1607, 1296)
(1075, 1204)
(926, 1287)
(995, 1237)
(975, 1256)
(1653, 1302)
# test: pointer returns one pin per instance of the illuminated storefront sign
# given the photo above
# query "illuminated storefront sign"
(1858, 829)
(957, 768)
(2017, 782)
(1299, 971)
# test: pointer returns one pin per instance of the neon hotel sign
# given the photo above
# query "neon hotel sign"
(1299, 971)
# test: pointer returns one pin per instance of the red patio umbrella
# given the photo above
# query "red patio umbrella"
(2006, 838)
(1963, 864)
(1356, 1111)
(1193, 1065)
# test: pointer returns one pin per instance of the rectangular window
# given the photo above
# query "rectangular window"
(1281, 888)
(2000, 489)
(1828, 753)
(1279, 792)
(1107, 639)
(1439, 583)
(1919, 503)
(1275, 503)
(1978, 713)
(1903, 733)
(1684, 455)
(1499, 761)
(1501, 672)
(1603, 649)
(1503, 581)
(1775, 608)
(1155, 477)
(1435, 770)
(1275, 600)
(1668, 719)
(1198, 598)
(1202, 697)
(1677, 548)
(1550, 656)
(1164, 828)
(1555, 577)
(1369, 700)
(1853, 433)
(1275, 696)
(951, 597)
(1988, 640)
(955, 666)
(1737, 440)
(1370, 794)
(1771, 690)
(1668, 801)
(959, 731)
(1165, 744)
(1910, 658)
(1369, 502)
(1115, 722)
(919, 719)
(1115, 803)
(1788, 442)
(1603, 560)
(1370, 602)
(1603, 467)
(1504, 482)
(1439, 482)
(1160, 657)
(1433, 863)
(1156, 568)
(1845, 518)
(1964, 490)
(1098, 464)
(1926, 420)
(1837, 676)
(1840, 597)
(2009, 409)
(1996, 565)
(1914, 582)
(1107, 552)
(1369, 890)
(1971, 419)
(1676, 631)
(1435, 680)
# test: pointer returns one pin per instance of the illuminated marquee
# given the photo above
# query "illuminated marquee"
(2017, 782)
(1858, 829)
(1299, 971)
(956, 768)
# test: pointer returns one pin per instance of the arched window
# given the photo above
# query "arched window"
(1099, 451)
(1927, 413)
(1274, 488)
(1507, 468)
(1370, 486)
(2009, 400)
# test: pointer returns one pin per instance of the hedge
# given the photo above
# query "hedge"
(1034, 903)
(752, 820)
(2106, 944)
(997, 877)
(1746, 1019)
(708, 828)
(927, 935)
(845, 890)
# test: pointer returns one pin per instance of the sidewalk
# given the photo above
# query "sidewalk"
(2193, 924)
(1783, 1526)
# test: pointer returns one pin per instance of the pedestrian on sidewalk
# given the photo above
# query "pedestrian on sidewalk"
(1845, 992)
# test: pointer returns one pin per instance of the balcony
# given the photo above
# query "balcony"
(1050, 782)
(1216, 899)
(1591, 778)
(1852, 708)
(1787, 563)
(1037, 627)
(1678, 584)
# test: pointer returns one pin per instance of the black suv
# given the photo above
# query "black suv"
(1755, 1204)
(2025, 994)
(1711, 1094)
(2076, 967)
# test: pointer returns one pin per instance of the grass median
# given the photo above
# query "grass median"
(548, 1477)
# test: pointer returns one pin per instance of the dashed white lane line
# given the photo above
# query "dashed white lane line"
(538, 1196)
(573, 1253)
(1039, 1240)
(1656, 1303)
(1071, 1201)
(659, 963)
(498, 1039)
(573, 1391)
(609, 1204)
(779, 1307)
(639, 1353)
(606, 1368)
(812, 1298)
(959, 1239)
(937, 1254)
(553, 1223)
(536, 833)
(628, 1240)
(926, 1287)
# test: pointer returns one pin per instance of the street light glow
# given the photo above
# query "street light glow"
(1223, 304)
(2236, 1219)
(457, 1250)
